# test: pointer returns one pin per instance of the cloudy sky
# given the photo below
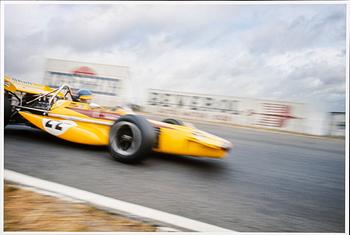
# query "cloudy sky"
(284, 52)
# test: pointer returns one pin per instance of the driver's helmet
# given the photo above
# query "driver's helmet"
(84, 95)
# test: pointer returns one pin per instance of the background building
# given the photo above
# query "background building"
(105, 81)
(337, 124)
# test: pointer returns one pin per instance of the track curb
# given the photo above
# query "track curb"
(111, 204)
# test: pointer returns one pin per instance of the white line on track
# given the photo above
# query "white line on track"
(111, 203)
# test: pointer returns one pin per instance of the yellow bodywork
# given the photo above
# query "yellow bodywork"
(81, 123)
(79, 128)
(12, 84)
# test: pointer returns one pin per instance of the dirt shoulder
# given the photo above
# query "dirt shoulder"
(25, 210)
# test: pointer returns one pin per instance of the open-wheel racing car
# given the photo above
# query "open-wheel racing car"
(129, 137)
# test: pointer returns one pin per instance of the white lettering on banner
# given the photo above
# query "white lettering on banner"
(55, 127)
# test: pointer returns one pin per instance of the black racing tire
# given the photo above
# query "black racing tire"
(131, 139)
(7, 109)
(174, 121)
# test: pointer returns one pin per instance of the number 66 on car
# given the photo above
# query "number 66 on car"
(130, 137)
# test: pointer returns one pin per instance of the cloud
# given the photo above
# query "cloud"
(284, 52)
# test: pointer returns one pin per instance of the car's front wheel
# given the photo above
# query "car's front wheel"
(131, 139)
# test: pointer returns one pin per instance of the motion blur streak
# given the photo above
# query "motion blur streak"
(270, 182)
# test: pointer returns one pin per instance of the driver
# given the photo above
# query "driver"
(84, 96)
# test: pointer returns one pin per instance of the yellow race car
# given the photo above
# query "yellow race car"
(130, 137)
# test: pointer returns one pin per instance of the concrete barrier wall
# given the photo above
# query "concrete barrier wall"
(278, 115)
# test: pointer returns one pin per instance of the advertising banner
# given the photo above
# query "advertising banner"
(281, 115)
(104, 81)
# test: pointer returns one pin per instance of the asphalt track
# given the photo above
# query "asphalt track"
(270, 182)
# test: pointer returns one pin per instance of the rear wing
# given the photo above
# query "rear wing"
(13, 85)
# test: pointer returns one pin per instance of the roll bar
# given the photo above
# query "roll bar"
(58, 90)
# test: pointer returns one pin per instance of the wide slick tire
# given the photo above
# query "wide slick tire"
(131, 139)
(7, 109)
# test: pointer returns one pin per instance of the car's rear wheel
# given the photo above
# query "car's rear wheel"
(174, 121)
(7, 109)
(131, 139)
